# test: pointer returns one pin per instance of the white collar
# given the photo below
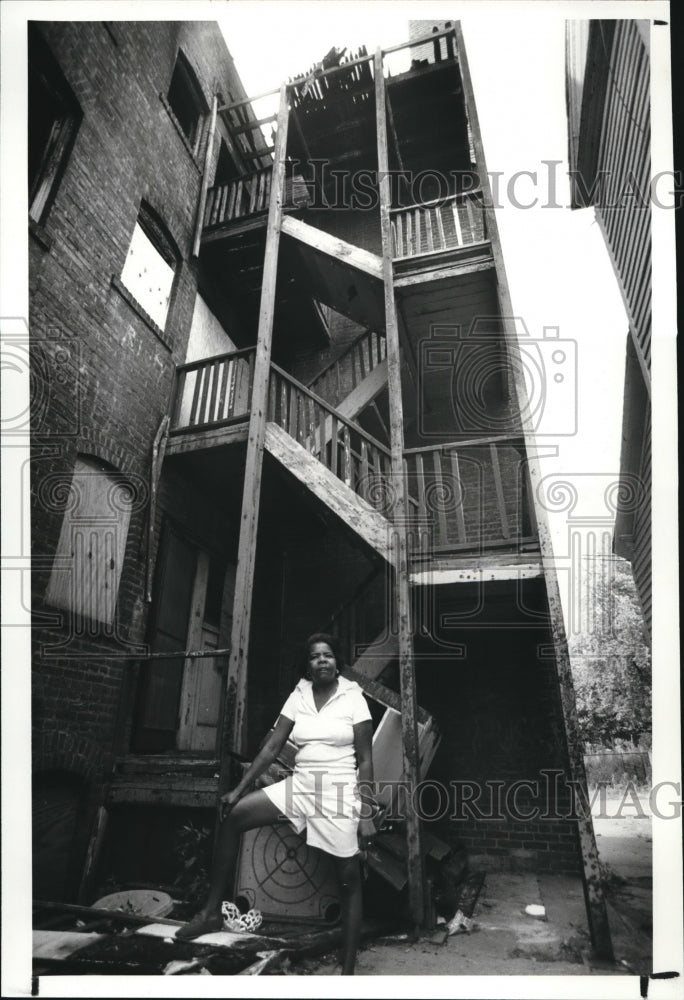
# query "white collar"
(343, 685)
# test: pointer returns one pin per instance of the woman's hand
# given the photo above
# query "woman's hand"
(228, 801)
(366, 833)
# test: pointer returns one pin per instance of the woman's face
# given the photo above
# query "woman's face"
(322, 663)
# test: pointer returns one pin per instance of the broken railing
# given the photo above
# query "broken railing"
(213, 391)
(344, 448)
(443, 224)
(469, 495)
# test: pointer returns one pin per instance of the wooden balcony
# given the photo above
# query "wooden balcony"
(441, 236)
(469, 496)
(465, 497)
(213, 392)
(247, 199)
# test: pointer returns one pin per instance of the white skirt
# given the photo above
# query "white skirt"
(326, 804)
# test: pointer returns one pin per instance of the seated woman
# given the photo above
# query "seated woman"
(328, 719)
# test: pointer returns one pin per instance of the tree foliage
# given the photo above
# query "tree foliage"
(611, 660)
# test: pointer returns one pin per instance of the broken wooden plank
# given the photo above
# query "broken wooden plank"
(57, 945)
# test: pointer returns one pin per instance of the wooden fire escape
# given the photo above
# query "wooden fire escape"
(370, 481)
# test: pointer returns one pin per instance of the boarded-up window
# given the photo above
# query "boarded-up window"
(150, 267)
(90, 552)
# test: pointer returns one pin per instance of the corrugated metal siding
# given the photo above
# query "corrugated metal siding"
(641, 559)
(625, 156)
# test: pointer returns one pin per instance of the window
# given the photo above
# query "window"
(90, 552)
(53, 119)
(150, 266)
(186, 100)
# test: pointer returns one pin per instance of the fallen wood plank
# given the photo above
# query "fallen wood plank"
(266, 960)
(240, 940)
(61, 944)
(95, 911)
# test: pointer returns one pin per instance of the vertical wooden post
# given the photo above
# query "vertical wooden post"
(199, 221)
(593, 890)
(233, 736)
(409, 731)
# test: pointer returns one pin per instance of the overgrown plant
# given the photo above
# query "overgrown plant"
(193, 848)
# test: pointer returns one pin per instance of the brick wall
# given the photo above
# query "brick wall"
(102, 370)
(497, 706)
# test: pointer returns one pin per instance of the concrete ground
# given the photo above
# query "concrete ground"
(506, 941)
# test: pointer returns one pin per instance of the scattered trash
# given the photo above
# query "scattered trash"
(459, 924)
(536, 910)
(178, 965)
(144, 902)
(439, 936)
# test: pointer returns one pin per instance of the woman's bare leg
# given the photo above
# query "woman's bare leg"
(349, 875)
(256, 809)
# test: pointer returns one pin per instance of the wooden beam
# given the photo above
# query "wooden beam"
(355, 257)
(476, 574)
(158, 449)
(199, 221)
(365, 392)
(460, 267)
(250, 126)
(593, 889)
(336, 495)
(377, 656)
(233, 736)
(393, 129)
(409, 730)
(180, 444)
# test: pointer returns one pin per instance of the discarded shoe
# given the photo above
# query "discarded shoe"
(198, 926)
(233, 920)
(459, 924)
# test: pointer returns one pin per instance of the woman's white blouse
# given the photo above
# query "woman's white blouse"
(325, 739)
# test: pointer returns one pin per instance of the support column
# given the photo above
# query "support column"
(593, 889)
(409, 731)
(233, 734)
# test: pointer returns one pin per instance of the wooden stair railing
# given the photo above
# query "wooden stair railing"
(334, 382)
(344, 448)
(250, 195)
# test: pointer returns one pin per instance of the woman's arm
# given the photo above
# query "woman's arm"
(363, 745)
(268, 753)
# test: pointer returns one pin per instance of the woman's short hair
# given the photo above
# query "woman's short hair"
(331, 640)
(311, 641)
